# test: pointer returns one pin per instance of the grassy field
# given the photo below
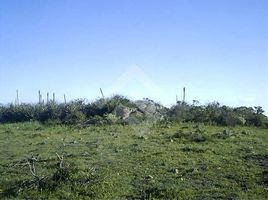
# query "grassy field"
(147, 161)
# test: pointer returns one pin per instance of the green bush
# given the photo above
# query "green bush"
(213, 113)
(101, 110)
(17, 113)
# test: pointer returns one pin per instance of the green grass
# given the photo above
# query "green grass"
(147, 161)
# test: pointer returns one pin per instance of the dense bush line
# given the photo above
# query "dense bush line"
(214, 113)
(61, 113)
(99, 111)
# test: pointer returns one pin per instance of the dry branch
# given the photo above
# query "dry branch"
(61, 160)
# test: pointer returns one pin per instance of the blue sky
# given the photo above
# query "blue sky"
(217, 49)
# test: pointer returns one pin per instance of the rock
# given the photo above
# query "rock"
(140, 109)
(174, 170)
(149, 177)
(123, 112)
(150, 108)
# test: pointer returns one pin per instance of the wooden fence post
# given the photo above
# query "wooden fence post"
(101, 93)
(47, 98)
(17, 101)
(183, 94)
(40, 97)
(54, 101)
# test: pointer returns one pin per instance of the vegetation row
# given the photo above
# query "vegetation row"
(102, 111)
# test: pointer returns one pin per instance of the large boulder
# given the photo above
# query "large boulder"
(123, 112)
(140, 109)
(151, 109)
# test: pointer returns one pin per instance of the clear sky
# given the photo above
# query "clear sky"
(217, 49)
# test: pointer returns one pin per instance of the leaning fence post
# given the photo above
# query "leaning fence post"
(101, 93)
